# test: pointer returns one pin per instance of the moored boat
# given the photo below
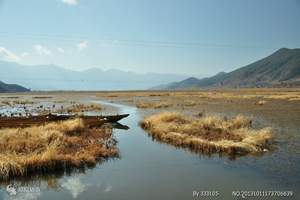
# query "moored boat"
(14, 122)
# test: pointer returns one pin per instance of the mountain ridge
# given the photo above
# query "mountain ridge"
(280, 69)
(11, 88)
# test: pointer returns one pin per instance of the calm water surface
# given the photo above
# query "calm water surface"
(150, 170)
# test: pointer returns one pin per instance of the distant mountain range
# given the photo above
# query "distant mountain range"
(12, 88)
(281, 69)
(52, 77)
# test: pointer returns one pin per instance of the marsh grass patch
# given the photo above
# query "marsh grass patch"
(53, 147)
(209, 134)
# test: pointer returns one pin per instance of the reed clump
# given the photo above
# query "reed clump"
(210, 134)
(57, 146)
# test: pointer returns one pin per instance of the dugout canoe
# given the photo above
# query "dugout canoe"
(91, 121)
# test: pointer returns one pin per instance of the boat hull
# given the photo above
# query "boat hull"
(14, 122)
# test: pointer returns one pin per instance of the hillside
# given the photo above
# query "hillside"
(281, 69)
(12, 88)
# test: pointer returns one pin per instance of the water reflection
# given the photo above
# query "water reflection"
(77, 185)
(23, 196)
(118, 125)
(108, 188)
(74, 185)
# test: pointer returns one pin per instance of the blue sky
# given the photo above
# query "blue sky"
(195, 37)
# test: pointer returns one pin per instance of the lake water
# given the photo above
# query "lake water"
(148, 169)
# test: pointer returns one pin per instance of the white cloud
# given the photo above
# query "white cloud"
(82, 45)
(60, 50)
(71, 2)
(24, 54)
(42, 50)
(7, 55)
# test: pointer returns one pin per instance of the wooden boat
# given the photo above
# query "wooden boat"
(91, 121)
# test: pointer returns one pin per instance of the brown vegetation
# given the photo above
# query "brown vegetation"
(210, 134)
(12, 97)
(56, 146)
(42, 97)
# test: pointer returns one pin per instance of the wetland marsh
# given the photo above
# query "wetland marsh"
(148, 169)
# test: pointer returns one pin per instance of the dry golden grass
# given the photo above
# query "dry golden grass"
(241, 94)
(54, 147)
(294, 98)
(76, 108)
(230, 95)
(25, 101)
(261, 102)
(189, 103)
(133, 94)
(14, 102)
(284, 96)
(154, 105)
(6, 102)
(210, 134)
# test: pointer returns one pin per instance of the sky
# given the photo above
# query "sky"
(192, 37)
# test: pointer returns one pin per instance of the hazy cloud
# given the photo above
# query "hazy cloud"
(82, 45)
(71, 2)
(60, 50)
(7, 55)
(24, 54)
(42, 50)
